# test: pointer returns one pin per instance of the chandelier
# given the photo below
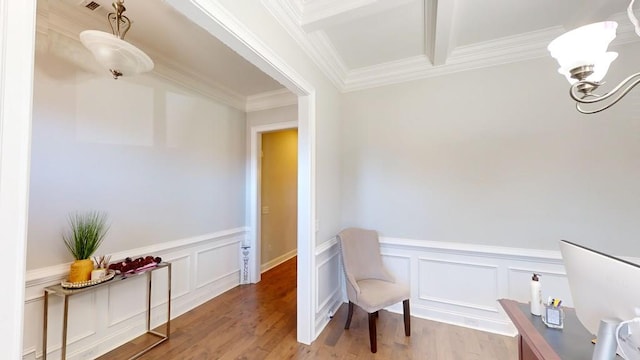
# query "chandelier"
(584, 61)
(111, 51)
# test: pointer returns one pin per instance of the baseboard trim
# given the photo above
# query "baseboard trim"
(277, 261)
(500, 327)
(326, 313)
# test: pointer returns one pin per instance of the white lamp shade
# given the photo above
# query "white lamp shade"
(586, 45)
(600, 68)
(116, 54)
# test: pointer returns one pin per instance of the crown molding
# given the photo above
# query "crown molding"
(507, 49)
(463, 58)
(312, 44)
(297, 8)
(180, 75)
(328, 53)
(527, 46)
(270, 100)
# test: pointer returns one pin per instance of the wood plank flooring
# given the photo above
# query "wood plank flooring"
(259, 322)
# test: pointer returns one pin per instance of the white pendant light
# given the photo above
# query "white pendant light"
(111, 51)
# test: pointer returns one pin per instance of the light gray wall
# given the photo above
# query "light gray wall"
(164, 163)
(494, 156)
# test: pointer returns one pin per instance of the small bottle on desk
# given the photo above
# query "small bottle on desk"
(536, 295)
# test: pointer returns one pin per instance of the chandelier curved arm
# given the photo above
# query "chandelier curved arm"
(616, 93)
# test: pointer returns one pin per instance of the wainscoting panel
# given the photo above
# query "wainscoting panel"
(451, 282)
(327, 269)
(329, 282)
(180, 278)
(461, 283)
(554, 282)
(202, 268)
(126, 300)
(400, 266)
(216, 262)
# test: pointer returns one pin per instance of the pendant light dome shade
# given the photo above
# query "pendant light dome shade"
(111, 50)
(586, 45)
(115, 54)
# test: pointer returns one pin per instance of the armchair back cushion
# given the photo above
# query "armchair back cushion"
(361, 255)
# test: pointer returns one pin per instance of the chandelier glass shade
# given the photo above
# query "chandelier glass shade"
(111, 51)
(584, 61)
(584, 46)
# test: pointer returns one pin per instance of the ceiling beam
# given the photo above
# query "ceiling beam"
(320, 14)
(438, 27)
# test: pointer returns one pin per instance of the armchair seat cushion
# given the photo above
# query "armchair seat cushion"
(378, 294)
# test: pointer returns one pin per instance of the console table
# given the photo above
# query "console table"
(538, 342)
(66, 293)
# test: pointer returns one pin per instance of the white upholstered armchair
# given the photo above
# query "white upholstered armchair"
(369, 285)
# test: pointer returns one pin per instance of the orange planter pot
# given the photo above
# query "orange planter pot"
(81, 270)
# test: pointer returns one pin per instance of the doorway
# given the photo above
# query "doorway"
(17, 76)
(278, 197)
(256, 202)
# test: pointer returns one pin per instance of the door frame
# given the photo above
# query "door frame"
(254, 194)
(17, 46)
(219, 22)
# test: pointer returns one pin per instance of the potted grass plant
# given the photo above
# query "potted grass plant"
(87, 230)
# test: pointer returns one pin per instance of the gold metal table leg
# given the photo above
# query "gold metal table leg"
(65, 318)
(44, 325)
(169, 301)
(162, 337)
(149, 300)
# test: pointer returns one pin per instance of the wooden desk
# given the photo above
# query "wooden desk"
(538, 342)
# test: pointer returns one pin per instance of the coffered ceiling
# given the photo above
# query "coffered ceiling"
(365, 43)
(356, 43)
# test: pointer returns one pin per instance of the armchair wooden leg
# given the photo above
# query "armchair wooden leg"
(372, 332)
(407, 317)
(349, 316)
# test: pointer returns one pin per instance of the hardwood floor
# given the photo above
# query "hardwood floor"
(259, 322)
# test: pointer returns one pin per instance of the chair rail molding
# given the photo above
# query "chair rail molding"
(460, 284)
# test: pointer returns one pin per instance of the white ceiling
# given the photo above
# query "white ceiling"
(181, 50)
(365, 43)
(356, 43)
